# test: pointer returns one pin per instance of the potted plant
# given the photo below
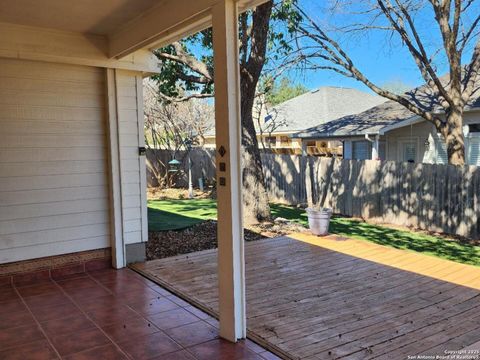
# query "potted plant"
(319, 220)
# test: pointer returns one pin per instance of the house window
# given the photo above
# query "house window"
(361, 150)
(409, 151)
(473, 151)
(311, 143)
(285, 141)
(474, 128)
(270, 141)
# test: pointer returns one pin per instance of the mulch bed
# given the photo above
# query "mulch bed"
(204, 236)
(179, 194)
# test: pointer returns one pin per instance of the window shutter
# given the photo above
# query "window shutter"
(473, 151)
(441, 150)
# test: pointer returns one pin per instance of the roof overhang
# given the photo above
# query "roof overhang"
(410, 121)
(109, 33)
(336, 137)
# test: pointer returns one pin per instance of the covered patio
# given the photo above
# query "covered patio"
(72, 145)
(333, 297)
(73, 215)
(108, 314)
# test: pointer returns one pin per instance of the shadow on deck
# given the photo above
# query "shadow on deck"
(311, 298)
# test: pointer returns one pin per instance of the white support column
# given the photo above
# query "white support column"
(116, 212)
(231, 261)
(375, 148)
(304, 147)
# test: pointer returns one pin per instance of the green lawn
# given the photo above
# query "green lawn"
(179, 214)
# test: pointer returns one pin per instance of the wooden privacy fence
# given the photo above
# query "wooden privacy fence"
(203, 166)
(441, 198)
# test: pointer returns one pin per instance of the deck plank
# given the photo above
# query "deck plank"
(310, 298)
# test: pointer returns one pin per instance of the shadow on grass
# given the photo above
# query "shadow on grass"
(179, 214)
(399, 239)
(159, 220)
(166, 215)
(422, 243)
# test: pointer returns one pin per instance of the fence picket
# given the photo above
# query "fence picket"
(432, 197)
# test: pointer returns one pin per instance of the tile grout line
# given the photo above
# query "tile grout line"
(37, 322)
(143, 317)
(93, 322)
(187, 349)
(143, 275)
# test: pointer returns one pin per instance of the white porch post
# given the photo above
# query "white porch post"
(231, 262)
(304, 147)
(116, 215)
(375, 148)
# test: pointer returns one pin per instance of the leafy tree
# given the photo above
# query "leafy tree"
(283, 90)
(434, 33)
(188, 73)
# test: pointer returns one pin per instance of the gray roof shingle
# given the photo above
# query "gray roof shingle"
(318, 107)
(389, 113)
(313, 108)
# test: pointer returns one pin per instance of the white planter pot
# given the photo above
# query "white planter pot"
(319, 220)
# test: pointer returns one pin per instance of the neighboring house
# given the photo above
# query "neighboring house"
(391, 132)
(279, 123)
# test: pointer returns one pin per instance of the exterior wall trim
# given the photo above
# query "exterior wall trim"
(40, 44)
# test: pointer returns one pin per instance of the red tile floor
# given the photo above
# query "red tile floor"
(109, 314)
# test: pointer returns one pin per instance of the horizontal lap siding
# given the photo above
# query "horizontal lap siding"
(128, 113)
(53, 160)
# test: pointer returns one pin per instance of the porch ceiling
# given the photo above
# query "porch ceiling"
(85, 16)
(128, 25)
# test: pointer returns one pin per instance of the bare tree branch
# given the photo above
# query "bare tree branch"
(185, 98)
(450, 93)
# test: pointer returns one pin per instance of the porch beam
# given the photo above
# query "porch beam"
(231, 261)
(56, 46)
(169, 21)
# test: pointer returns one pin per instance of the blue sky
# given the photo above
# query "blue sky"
(382, 58)
(379, 65)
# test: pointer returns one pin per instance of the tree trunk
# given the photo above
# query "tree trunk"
(256, 207)
(255, 198)
(454, 139)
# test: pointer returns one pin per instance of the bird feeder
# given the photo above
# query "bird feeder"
(174, 166)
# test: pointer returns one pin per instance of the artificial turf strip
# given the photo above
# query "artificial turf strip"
(180, 214)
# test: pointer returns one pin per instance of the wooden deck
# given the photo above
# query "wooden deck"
(328, 298)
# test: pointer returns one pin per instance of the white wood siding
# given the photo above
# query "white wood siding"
(53, 160)
(132, 166)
